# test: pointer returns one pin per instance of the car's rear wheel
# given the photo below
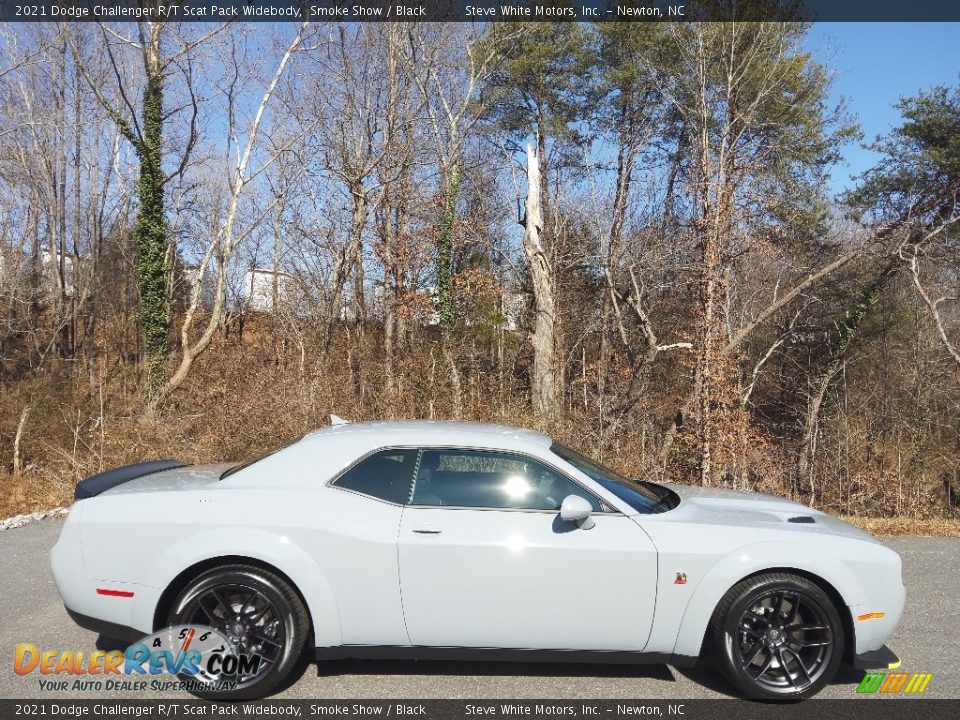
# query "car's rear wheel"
(259, 613)
(778, 637)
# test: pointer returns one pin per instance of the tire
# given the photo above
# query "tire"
(777, 636)
(266, 605)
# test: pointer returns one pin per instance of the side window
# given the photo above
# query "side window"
(490, 479)
(385, 475)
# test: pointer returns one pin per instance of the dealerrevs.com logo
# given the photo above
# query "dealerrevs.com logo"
(201, 657)
(894, 683)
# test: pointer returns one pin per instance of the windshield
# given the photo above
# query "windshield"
(645, 497)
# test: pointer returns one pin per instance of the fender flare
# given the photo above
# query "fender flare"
(749, 560)
(267, 547)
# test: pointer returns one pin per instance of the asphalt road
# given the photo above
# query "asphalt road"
(30, 611)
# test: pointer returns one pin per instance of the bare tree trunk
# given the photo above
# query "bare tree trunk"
(626, 157)
(346, 264)
(17, 458)
(224, 243)
(543, 376)
(456, 384)
(849, 329)
(359, 296)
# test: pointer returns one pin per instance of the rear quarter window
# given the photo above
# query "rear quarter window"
(385, 475)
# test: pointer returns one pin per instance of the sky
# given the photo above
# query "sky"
(875, 64)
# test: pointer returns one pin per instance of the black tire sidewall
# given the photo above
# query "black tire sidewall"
(284, 599)
(727, 626)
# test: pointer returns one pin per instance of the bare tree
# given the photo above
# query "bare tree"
(543, 379)
(911, 254)
(243, 172)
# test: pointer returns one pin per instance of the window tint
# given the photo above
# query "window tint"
(385, 475)
(488, 479)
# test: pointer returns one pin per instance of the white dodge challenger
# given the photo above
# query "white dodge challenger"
(460, 540)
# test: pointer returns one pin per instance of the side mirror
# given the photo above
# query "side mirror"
(577, 510)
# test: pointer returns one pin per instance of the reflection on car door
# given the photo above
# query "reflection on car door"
(482, 570)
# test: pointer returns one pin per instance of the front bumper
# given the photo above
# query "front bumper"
(883, 658)
(888, 596)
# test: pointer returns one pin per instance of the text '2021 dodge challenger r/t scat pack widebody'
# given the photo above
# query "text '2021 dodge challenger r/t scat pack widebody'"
(460, 540)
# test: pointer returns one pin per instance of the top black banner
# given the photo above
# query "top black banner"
(480, 10)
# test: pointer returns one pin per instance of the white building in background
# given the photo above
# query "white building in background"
(257, 294)
(16, 267)
(258, 289)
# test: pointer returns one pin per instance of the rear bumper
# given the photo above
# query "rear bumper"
(116, 604)
(105, 628)
(883, 658)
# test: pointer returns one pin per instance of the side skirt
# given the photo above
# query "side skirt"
(470, 654)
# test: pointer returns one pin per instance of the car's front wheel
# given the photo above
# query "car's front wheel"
(259, 613)
(778, 637)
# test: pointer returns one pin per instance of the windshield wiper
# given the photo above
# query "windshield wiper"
(661, 501)
(664, 497)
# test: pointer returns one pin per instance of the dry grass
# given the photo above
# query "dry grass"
(247, 396)
(27, 493)
(892, 526)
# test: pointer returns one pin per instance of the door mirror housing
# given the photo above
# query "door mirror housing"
(577, 510)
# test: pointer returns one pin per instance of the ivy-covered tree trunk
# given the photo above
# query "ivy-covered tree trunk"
(445, 283)
(152, 236)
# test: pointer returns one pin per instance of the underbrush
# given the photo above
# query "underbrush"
(255, 392)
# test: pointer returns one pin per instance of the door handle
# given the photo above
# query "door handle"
(425, 531)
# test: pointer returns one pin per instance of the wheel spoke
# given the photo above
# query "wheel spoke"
(259, 635)
(803, 669)
(794, 610)
(757, 649)
(246, 602)
(227, 608)
(786, 670)
(763, 668)
(264, 661)
(261, 612)
(806, 643)
(211, 615)
(778, 605)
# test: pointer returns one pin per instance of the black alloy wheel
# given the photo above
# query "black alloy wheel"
(779, 637)
(259, 613)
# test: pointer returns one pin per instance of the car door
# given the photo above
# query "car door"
(356, 545)
(486, 561)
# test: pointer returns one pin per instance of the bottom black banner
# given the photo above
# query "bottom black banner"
(872, 708)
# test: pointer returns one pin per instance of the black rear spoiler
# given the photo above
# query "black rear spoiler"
(96, 484)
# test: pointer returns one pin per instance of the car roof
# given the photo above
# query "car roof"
(432, 432)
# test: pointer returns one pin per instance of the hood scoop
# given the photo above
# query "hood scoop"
(802, 519)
